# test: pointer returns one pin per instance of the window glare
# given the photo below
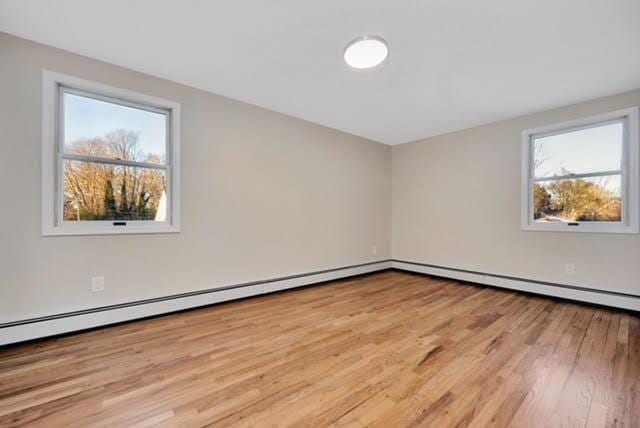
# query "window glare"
(590, 150)
(102, 129)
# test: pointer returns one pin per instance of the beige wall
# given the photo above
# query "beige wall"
(267, 195)
(264, 195)
(456, 203)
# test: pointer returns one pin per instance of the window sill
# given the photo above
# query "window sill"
(108, 230)
(581, 228)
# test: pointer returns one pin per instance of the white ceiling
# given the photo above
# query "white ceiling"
(452, 64)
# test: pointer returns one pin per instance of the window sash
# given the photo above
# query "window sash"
(89, 223)
(570, 129)
(62, 156)
(611, 223)
(623, 200)
(63, 89)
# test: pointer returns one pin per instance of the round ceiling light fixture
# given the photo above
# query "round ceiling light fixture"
(366, 52)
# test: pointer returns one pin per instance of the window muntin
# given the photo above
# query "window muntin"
(581, 175)
(111, 160)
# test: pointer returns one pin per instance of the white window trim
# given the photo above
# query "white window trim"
(629, 181)
(52, 225)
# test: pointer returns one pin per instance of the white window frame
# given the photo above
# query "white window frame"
(54, 85)
(629, 174)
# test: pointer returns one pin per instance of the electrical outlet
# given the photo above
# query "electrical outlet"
(374, 250)
(570, 268)
(97, 284)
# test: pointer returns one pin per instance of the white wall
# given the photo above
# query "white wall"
(264, 195)
(456, 203)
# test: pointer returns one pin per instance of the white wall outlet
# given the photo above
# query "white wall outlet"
(97, 284)
(374, 250)
(570, 268)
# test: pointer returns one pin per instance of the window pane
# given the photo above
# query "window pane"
(109, 130)
(582, 199)
(585, 151)
(94, 191)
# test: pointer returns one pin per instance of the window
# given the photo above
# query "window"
(110, 160)
(582, 175)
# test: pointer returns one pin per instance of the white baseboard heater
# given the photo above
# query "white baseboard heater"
(20, 331)
(581, 294)
(35, 328)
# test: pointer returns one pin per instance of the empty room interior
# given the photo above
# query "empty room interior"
(336, 213)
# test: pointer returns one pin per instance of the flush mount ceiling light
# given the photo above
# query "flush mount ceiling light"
(365, 52)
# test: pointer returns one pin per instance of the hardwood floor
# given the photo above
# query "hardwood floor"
(389, 349)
